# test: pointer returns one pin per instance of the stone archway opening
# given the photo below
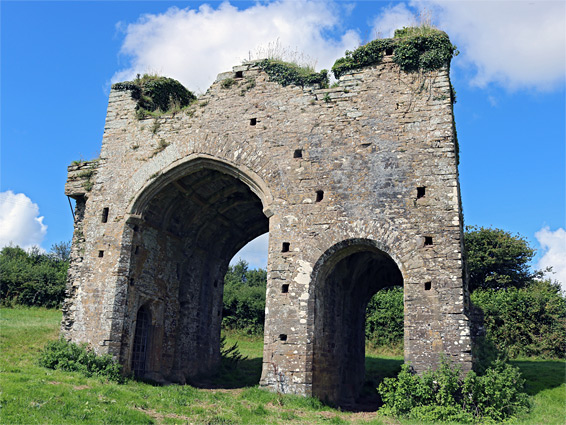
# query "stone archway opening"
(184, 237)
(345, 283)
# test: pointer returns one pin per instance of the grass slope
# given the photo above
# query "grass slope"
(30, 394)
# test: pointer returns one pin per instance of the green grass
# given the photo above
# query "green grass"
(30, 394)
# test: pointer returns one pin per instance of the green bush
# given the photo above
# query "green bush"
(157, 95)
(414, 48)
(287, 73)
(384, 318)
(32, 278)
(529, 321)
(71, 357)
(244, 299)
(444, 395)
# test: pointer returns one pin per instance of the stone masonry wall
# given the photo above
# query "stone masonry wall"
(368, 165)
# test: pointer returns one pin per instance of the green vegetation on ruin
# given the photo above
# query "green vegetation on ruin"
(421, 48)
(288, 73)
(156, 95)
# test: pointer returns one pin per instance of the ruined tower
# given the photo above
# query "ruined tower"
(356, 184)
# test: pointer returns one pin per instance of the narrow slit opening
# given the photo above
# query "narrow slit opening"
(285, 288)
(105, 214)
(100, 254)
(319, 195)
(427, 286)
(421, 192)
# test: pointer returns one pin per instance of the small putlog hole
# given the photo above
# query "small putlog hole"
(285, 247)
(421, 192)
(298, 153)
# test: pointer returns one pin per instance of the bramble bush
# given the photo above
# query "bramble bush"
(444, 395)
(71, 357)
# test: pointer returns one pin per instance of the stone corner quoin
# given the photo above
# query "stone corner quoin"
(357, 186)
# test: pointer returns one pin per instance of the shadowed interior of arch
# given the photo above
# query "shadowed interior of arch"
(188, 233)
(342, 292)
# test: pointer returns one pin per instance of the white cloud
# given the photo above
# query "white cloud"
(518, 44)
(254, 253)
(553, 244)
(194, 45)
(20, 223)
(394, 17)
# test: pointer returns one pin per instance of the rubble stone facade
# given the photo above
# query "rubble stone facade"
(357, 186)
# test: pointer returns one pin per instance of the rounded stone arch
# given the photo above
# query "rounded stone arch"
(183, 228)
(343, 280)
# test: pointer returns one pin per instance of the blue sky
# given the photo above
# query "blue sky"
(58, 60)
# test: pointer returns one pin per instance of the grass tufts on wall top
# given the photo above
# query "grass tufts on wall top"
(288, 73)
(157, 95)
(421, 48)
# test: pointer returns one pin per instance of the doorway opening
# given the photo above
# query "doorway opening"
(345, 281)
(186, 229)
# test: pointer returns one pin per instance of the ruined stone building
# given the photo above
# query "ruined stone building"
(356, 184)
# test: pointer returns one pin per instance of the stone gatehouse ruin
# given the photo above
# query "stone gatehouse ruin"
(356, 184)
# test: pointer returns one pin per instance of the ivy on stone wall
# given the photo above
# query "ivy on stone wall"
(157, 95)
(286, 73)
(414, 48)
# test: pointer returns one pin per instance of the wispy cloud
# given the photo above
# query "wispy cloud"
(518, 44)
(553, 244)
(194, 45)
(20, 223)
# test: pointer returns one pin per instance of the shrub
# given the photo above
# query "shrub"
(384, 318)
(71, 357)
(244, 299)
(444, 395)
(287, 73)
(156, 95)
(32, 278)
(415, 48)
(529, 321)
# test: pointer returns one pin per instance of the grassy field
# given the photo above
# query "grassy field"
(30, 394)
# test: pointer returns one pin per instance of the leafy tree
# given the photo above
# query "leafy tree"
(32, 278)
(384, 318)
(244, 298)
(497, 259)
